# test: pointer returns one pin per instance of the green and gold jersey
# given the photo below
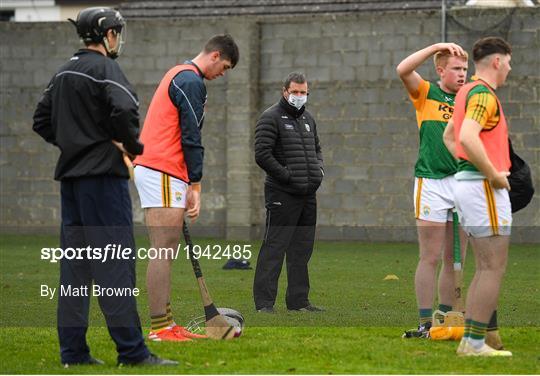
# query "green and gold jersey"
(482, 107)
(434, 108)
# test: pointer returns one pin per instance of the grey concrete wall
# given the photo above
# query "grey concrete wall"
(367, 126)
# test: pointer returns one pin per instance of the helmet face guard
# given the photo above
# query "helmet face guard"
(120, 40)
(93, 24)
(233, 317)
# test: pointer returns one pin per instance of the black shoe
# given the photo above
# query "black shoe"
(421, 332)
(89, 362)
(309, 308)
(266, 310)
(152, 360)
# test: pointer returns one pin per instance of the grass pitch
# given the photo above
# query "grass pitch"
(359, 333)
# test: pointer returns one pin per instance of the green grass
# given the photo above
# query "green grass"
(359, 332)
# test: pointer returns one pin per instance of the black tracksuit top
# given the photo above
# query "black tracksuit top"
(88, 103)
(287, 148)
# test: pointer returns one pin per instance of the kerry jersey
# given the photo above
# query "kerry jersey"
(434, 107)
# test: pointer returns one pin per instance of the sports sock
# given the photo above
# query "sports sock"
(493, 322)
(158, 322)
(445, 308)
(478, 334)
(425, 315)
(467, 331)
(170, 320)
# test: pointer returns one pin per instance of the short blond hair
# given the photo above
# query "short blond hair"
(440, 59)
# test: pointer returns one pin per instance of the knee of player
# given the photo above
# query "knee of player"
(430, 259)
(431, 254)
(496, 268)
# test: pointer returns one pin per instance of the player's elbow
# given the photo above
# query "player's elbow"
(450, 146)
(399, 70)
(402, 70)
(447, 141)
(261, 156)
(448, 136)
(466, 140)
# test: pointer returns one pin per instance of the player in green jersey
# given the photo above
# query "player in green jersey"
(434, 170)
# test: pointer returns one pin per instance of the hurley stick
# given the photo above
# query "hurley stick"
(217, 327)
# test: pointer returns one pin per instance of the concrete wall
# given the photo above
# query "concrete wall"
(366, 124)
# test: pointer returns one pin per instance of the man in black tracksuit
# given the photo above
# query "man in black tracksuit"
(287, 149)
(88, 105)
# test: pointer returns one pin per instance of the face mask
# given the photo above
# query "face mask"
(297, 100)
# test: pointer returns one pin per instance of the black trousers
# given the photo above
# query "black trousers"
(96, 211)
(290, 231)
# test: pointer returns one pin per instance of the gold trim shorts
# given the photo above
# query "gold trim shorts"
(434, 199)
(159, 190)
(483, 211)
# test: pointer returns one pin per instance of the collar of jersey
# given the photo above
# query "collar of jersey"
(196, 66)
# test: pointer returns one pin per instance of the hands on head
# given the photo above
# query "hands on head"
(454, 49)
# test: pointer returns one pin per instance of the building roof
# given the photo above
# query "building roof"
(216, 8)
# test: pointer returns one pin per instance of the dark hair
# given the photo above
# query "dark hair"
(297, 77)
(225, 44)
(488, 46)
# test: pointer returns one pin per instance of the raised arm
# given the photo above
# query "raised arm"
(406, 70)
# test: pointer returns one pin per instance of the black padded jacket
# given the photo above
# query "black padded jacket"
(87, 104)
(287, 148)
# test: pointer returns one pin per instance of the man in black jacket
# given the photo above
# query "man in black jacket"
(90, 111)
(287, 149)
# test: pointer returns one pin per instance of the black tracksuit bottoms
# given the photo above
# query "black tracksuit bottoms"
(290, 230)
(96, 211)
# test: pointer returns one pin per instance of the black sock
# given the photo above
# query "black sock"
(493, 322)
(445, 308)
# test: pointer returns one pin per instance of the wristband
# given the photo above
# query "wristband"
(196, 187)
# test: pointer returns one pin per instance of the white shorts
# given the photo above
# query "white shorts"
(159, 190)
(434, 199)
(483, 211)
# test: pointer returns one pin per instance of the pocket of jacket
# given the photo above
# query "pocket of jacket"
(289, 174)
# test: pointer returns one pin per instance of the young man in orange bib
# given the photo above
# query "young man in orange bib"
(168, 174)
(478, 136)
